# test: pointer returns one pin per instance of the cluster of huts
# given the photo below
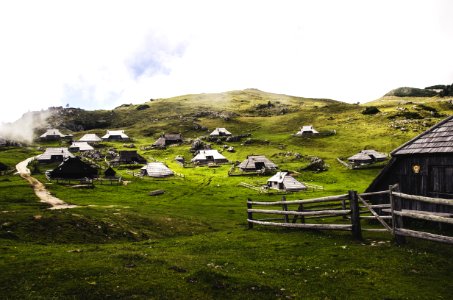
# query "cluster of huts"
(74, 167)
(422, 166)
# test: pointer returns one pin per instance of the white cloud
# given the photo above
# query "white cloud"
(103, 53)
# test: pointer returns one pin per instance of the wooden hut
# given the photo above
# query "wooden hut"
(90, 138)
(53, 135)
(128, 157)
(115, 135)
(422, 166)
(220, 132)
(80, 147)
(204, 157)
(54, 154)
(73, 168)
(284, 182)
(168, 139)
(156, 169)
(255, 163)
(367, 157)
(109, 173)
(307, 130)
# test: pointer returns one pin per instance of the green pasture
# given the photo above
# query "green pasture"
(192, 242)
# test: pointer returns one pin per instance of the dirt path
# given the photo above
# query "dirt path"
(40, 189)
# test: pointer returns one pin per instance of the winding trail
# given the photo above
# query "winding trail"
(39, 188)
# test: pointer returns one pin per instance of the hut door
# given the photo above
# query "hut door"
(441, 181)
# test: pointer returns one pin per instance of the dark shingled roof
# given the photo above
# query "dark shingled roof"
(437, 139)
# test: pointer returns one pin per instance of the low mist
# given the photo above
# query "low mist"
(22, 130)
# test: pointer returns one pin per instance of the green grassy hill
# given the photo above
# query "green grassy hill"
(192, 241)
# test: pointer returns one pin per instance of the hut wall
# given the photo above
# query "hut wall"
(433, 180)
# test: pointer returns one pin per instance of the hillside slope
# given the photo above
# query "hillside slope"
(192, 240)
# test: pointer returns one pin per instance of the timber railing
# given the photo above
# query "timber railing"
(352, 207)
(398, 213)
(324, 207)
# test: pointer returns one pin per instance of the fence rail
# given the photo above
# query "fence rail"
(314, 211)
(335, 206)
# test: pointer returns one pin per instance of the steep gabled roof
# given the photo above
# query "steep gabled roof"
(202, 154)
(437, 139)
(289, 182)
(249, 163)
(115, 133)
(173, 136)
(90, 138)
(307, 129)
(157, 169)
(129, 156)
(81, 146)
(220, 131)
(47, 155)
(52, 132)
(368, 155)
(73, 167)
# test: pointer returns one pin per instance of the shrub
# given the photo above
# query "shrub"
(370, 110)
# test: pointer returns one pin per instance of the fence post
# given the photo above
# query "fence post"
(397, 221)
(285, 208)
(355, 215)
(343, 206)
(302, 218)
(249, 214)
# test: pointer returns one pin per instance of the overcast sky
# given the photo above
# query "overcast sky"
(99, 54)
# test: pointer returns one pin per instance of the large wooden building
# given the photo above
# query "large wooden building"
(423, 166)
(73, 168)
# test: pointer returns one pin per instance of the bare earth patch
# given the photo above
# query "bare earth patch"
(39, 188)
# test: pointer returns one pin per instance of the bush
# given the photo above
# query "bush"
(370, 110)
(142, 107)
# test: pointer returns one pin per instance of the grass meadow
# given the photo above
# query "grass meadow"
(192, 242)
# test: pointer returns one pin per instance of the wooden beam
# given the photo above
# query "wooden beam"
(425, 235)
(305, 226)
(424, 199)
(423, 216)
(376, 216)
(375, 229)
(315, 200)
(374, 193)
(301, 213)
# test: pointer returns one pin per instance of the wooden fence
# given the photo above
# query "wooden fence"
(398, 213)
(352, 207)
(325, 207)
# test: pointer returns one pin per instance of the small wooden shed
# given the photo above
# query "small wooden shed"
(156, 169)
(220, 132)
(109, 173)
(90, 138)
(53, 134)
(255, 163)
(367, 157)
(284, 182)
(115, 135)
(168, 139)
(422, 166)
(307, 130)
(204, 157)
(128, 157)
(80, 147)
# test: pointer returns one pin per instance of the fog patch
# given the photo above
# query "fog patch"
(23, 129)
